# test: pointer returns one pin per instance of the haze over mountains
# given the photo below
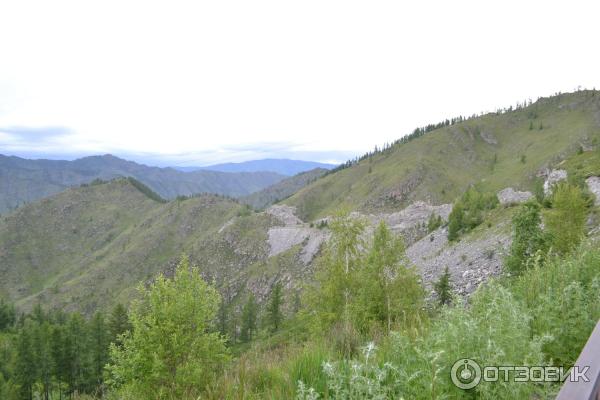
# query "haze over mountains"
(280, 166)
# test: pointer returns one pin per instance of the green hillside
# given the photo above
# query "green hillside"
(281, 190)
(496, 150)
(88, 247)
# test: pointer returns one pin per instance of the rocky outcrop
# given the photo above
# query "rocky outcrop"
(284, 238)
(470, 262)
(294, 232)
(510, 196)
(554, 176)
(593, 183)
(488, 137)
(285, 214)
(411, 222)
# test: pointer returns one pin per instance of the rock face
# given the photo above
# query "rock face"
(285, 214)
(470, 262)
(593, 183)
(510, 196)
(555, 176)
(411, 222)
(488, 137)
(286, 237)
(294, 232)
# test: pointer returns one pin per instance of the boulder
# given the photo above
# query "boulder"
(555, 176)
(593, 183)
(510, 196)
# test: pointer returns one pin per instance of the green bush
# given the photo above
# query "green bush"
(527, 237)
(468, 212)
(566, 220)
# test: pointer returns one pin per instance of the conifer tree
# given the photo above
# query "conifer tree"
(274, 315)
(99, 339)
(25, 366)
(118, 322)
(249, 317)
(443, 288)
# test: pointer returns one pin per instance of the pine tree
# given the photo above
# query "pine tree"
(118, 322)
(249, 316)
(75, 353)
(274, 315)
(25, 366)
(443, 288)
(7, 315)
(99, 339)
(42, 355)
(59, 356)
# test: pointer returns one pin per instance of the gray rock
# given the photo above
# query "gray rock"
(283, 238)
(593, 183)
(488, 137)
(470, 262)
(285, 214)
(510, 196)
(555, 176)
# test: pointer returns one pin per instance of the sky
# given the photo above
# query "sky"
(202, 82)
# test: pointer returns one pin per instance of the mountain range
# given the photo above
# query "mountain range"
(280, 166)
(23, 180)
(88, 247)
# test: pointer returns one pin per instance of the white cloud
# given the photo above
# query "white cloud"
(193, 77)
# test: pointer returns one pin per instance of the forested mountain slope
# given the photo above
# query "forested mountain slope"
(495, 150)
(88, 247)
(23, 181)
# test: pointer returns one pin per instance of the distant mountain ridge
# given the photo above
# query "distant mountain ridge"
(282, 190)
(278, 165)
(23, 180)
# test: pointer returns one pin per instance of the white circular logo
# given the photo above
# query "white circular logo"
(465, 373)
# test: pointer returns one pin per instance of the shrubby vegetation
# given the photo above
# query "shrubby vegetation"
(364, 286)
(363, 329)
(469, 211)
(173, 350)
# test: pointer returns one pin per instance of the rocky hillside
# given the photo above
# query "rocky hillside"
(88, 247)
(23, 181)
(496, 150)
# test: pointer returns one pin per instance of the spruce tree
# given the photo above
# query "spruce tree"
(25, 365)
(118, 322)
(274, 315)
(249, 316)
(99, 339)
(443, 288)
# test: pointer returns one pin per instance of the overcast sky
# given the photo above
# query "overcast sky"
(199, 82)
